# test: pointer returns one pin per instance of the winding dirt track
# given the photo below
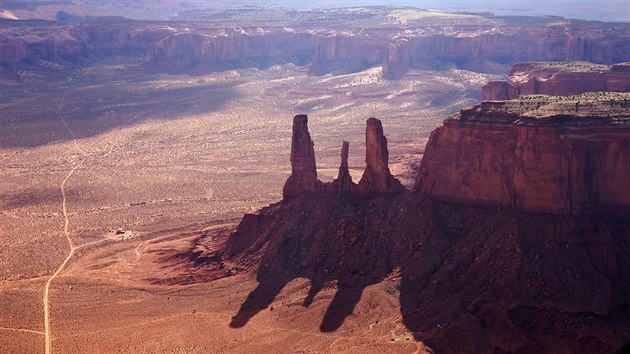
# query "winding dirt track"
(66, 231)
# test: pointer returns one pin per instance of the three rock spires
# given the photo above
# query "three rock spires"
(376, 179)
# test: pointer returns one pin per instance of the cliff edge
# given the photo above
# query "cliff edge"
(564, 155)
(559, 79)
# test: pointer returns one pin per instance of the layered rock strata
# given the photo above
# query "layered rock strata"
(342, 43)
(564, 155)
(559, 79)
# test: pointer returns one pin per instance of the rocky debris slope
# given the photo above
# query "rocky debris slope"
(538, 153)
(559, 79)
(473, 278)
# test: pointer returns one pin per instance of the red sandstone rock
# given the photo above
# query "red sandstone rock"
(303, 177)
(343, 184)
(559, 79)
(376, 178)
(503, 154)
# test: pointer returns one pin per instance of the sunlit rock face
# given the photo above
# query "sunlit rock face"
(303, 177)
(539, 153)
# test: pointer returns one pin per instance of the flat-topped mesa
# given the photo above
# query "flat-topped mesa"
(559, 79)
(561, 155)
(303, 177)
(343, 183)
(376, 178)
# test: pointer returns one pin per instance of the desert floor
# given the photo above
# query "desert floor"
(108, 178)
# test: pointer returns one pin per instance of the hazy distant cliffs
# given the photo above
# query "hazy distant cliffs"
(341, 40)
(559, 79)
(397, 48)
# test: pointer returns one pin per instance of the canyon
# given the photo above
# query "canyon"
(337, 41)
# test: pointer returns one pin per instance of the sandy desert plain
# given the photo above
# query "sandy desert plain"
(174, 161)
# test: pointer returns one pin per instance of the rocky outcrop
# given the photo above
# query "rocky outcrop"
(303, 177)
(537, 153)
(559, 79)
(120, 36)
(376, 178)
(471, 278)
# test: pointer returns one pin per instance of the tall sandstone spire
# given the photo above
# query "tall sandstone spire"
(303, 177)
(377, 178)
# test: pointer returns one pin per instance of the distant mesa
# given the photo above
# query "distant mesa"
(376, 180)
(559, 79)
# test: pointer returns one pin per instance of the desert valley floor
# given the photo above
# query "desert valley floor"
(127, 169)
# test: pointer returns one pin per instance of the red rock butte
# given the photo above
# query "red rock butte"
(564, 155)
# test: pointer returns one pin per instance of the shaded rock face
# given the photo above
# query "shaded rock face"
(472, 279)
(303, 177)
(376, 178)
(343, 183)
(558, 164)
(559, 79)
(190, 50)
(31, 41)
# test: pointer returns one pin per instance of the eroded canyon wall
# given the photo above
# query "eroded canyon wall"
(214, 44)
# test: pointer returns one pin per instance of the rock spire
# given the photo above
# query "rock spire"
(303, 177)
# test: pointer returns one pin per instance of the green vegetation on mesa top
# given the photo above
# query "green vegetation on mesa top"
(590, 108)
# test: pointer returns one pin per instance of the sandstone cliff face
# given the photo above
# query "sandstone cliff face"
(559, 79)
(214, 44)
(240, 50)
(472, 278)
(303, 177)
(522, 154)
(118, 36)
(515, 42)
(30, 41)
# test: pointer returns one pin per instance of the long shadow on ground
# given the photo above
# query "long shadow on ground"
(472, 278)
